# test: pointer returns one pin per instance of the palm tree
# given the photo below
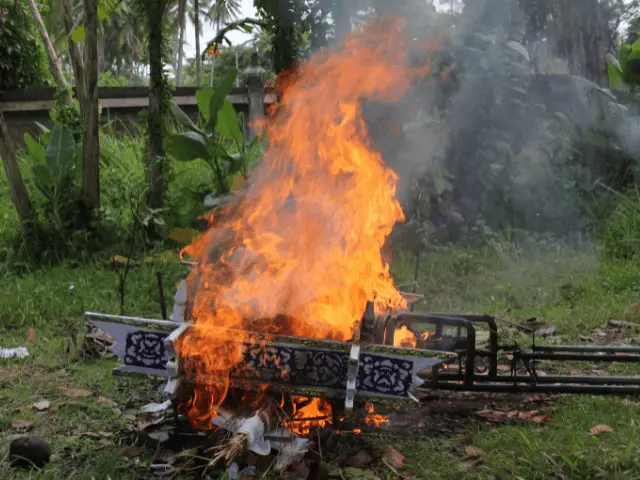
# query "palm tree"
(223, 11)
(199, 9)
(195, 10)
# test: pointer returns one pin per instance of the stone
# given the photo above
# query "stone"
(28, 452)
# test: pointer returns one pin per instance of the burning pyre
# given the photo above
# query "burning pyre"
(298, 251)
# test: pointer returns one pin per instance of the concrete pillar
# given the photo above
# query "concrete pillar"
(254, 78)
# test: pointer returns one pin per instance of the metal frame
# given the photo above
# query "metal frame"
(467, 377)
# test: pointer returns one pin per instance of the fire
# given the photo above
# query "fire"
(403, 337)
(298, 252)
(317, 410)
(374, 419)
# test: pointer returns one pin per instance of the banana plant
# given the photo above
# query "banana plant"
(624, 71)
(54, 168)
(221, 131)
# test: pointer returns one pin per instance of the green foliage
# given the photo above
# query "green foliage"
(624, 71)
(621, 236)
(54, 171)
(67, 116)
(108, 79)
(221, 132)
(23, 62)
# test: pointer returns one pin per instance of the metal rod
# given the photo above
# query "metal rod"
(163, 304)
(105, 317)
(588, 348)
(537, 388)
(603, 380)
(407, 318)
(577, 357)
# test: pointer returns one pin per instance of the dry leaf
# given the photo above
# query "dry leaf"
(74, 392)
(31, 335)
(533, 398)
(129, 452)
(21, 424)
(527, 415)
(472, 451)
(470, 463)
(42, 405)
(598, 429)
(359, 459)
(540, 419)
(392, 457)
(492, 415)
(106, 402)
(636, 304)
(536, 416)
(146, 420)
(118, 260)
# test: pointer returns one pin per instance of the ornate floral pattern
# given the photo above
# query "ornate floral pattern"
(321, 368)
(145, 349)
(295, 366)
(385, 375)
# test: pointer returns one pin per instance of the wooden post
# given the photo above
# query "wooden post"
(254, 75)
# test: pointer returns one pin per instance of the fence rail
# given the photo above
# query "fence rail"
(23, 108)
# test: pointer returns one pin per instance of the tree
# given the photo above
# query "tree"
(75, 51)
(223, 11)
(90, 113)
(182, 16)
(196, 23)
(154, 11)
(56, 68)
(19, 194)
(23, 61)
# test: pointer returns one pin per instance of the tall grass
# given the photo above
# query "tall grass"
(621, 233)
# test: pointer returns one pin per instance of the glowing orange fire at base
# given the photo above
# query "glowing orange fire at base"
(317, 410)
(299, 252)
(403, 337)
(374, 419)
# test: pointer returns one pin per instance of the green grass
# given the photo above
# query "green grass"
(573, 290)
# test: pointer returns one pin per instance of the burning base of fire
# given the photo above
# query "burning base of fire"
(267, 439)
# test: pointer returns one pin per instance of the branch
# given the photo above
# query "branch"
(227, 28)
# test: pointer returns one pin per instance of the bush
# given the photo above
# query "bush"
(23, 61)
(621, 238)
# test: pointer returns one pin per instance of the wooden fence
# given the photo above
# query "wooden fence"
(123, 105)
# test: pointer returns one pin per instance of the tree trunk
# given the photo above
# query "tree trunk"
(196, 8)
(213, 57)
(182, 14)
(56, 69)
(91, 144)
(19, 194)
(582, 42)
(155, 11)
(75, 52)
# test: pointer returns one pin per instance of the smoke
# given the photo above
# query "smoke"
(499, 133)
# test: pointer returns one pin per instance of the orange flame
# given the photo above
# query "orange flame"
(374, 419)
(403, 337)
(318, 411)
(298, 252)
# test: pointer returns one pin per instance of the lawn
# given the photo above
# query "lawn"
(575, 291)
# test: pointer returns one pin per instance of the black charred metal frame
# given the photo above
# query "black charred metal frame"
(472, 357)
